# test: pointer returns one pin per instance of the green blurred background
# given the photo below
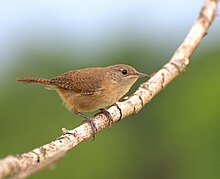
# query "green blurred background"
(175, 136)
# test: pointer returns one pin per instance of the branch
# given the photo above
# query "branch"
(23, 165)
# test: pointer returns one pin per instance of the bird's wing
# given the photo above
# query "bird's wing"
(80, 81)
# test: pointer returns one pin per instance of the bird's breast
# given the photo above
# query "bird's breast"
(110, 93)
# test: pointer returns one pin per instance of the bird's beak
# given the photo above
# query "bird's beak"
(142, 75)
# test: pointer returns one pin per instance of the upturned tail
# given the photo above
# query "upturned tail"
(34, 80)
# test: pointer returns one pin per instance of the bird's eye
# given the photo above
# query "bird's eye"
(124, 71)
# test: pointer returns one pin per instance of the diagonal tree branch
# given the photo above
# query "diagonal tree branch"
(26, 164)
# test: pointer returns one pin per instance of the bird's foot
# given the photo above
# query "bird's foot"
(105, 112)
(90, 121)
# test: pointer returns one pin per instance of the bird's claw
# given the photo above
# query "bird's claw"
(105, 112)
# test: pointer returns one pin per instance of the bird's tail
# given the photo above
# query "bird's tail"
(34, 80)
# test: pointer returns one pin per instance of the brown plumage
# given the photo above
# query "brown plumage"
(33, 80)
(91, 89)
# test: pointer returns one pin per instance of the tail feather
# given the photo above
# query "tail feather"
(34, 80)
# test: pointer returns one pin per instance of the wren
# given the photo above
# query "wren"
(90, 89)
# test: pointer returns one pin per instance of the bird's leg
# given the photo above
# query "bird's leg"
(89, 120)
(104, 111)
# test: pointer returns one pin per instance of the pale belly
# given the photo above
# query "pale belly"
(88, 103)
(78, 102)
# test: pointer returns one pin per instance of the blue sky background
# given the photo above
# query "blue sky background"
(93, 26)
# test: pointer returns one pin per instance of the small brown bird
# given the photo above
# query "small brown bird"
(90, 89)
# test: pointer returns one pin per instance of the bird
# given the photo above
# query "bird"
(91, 89)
